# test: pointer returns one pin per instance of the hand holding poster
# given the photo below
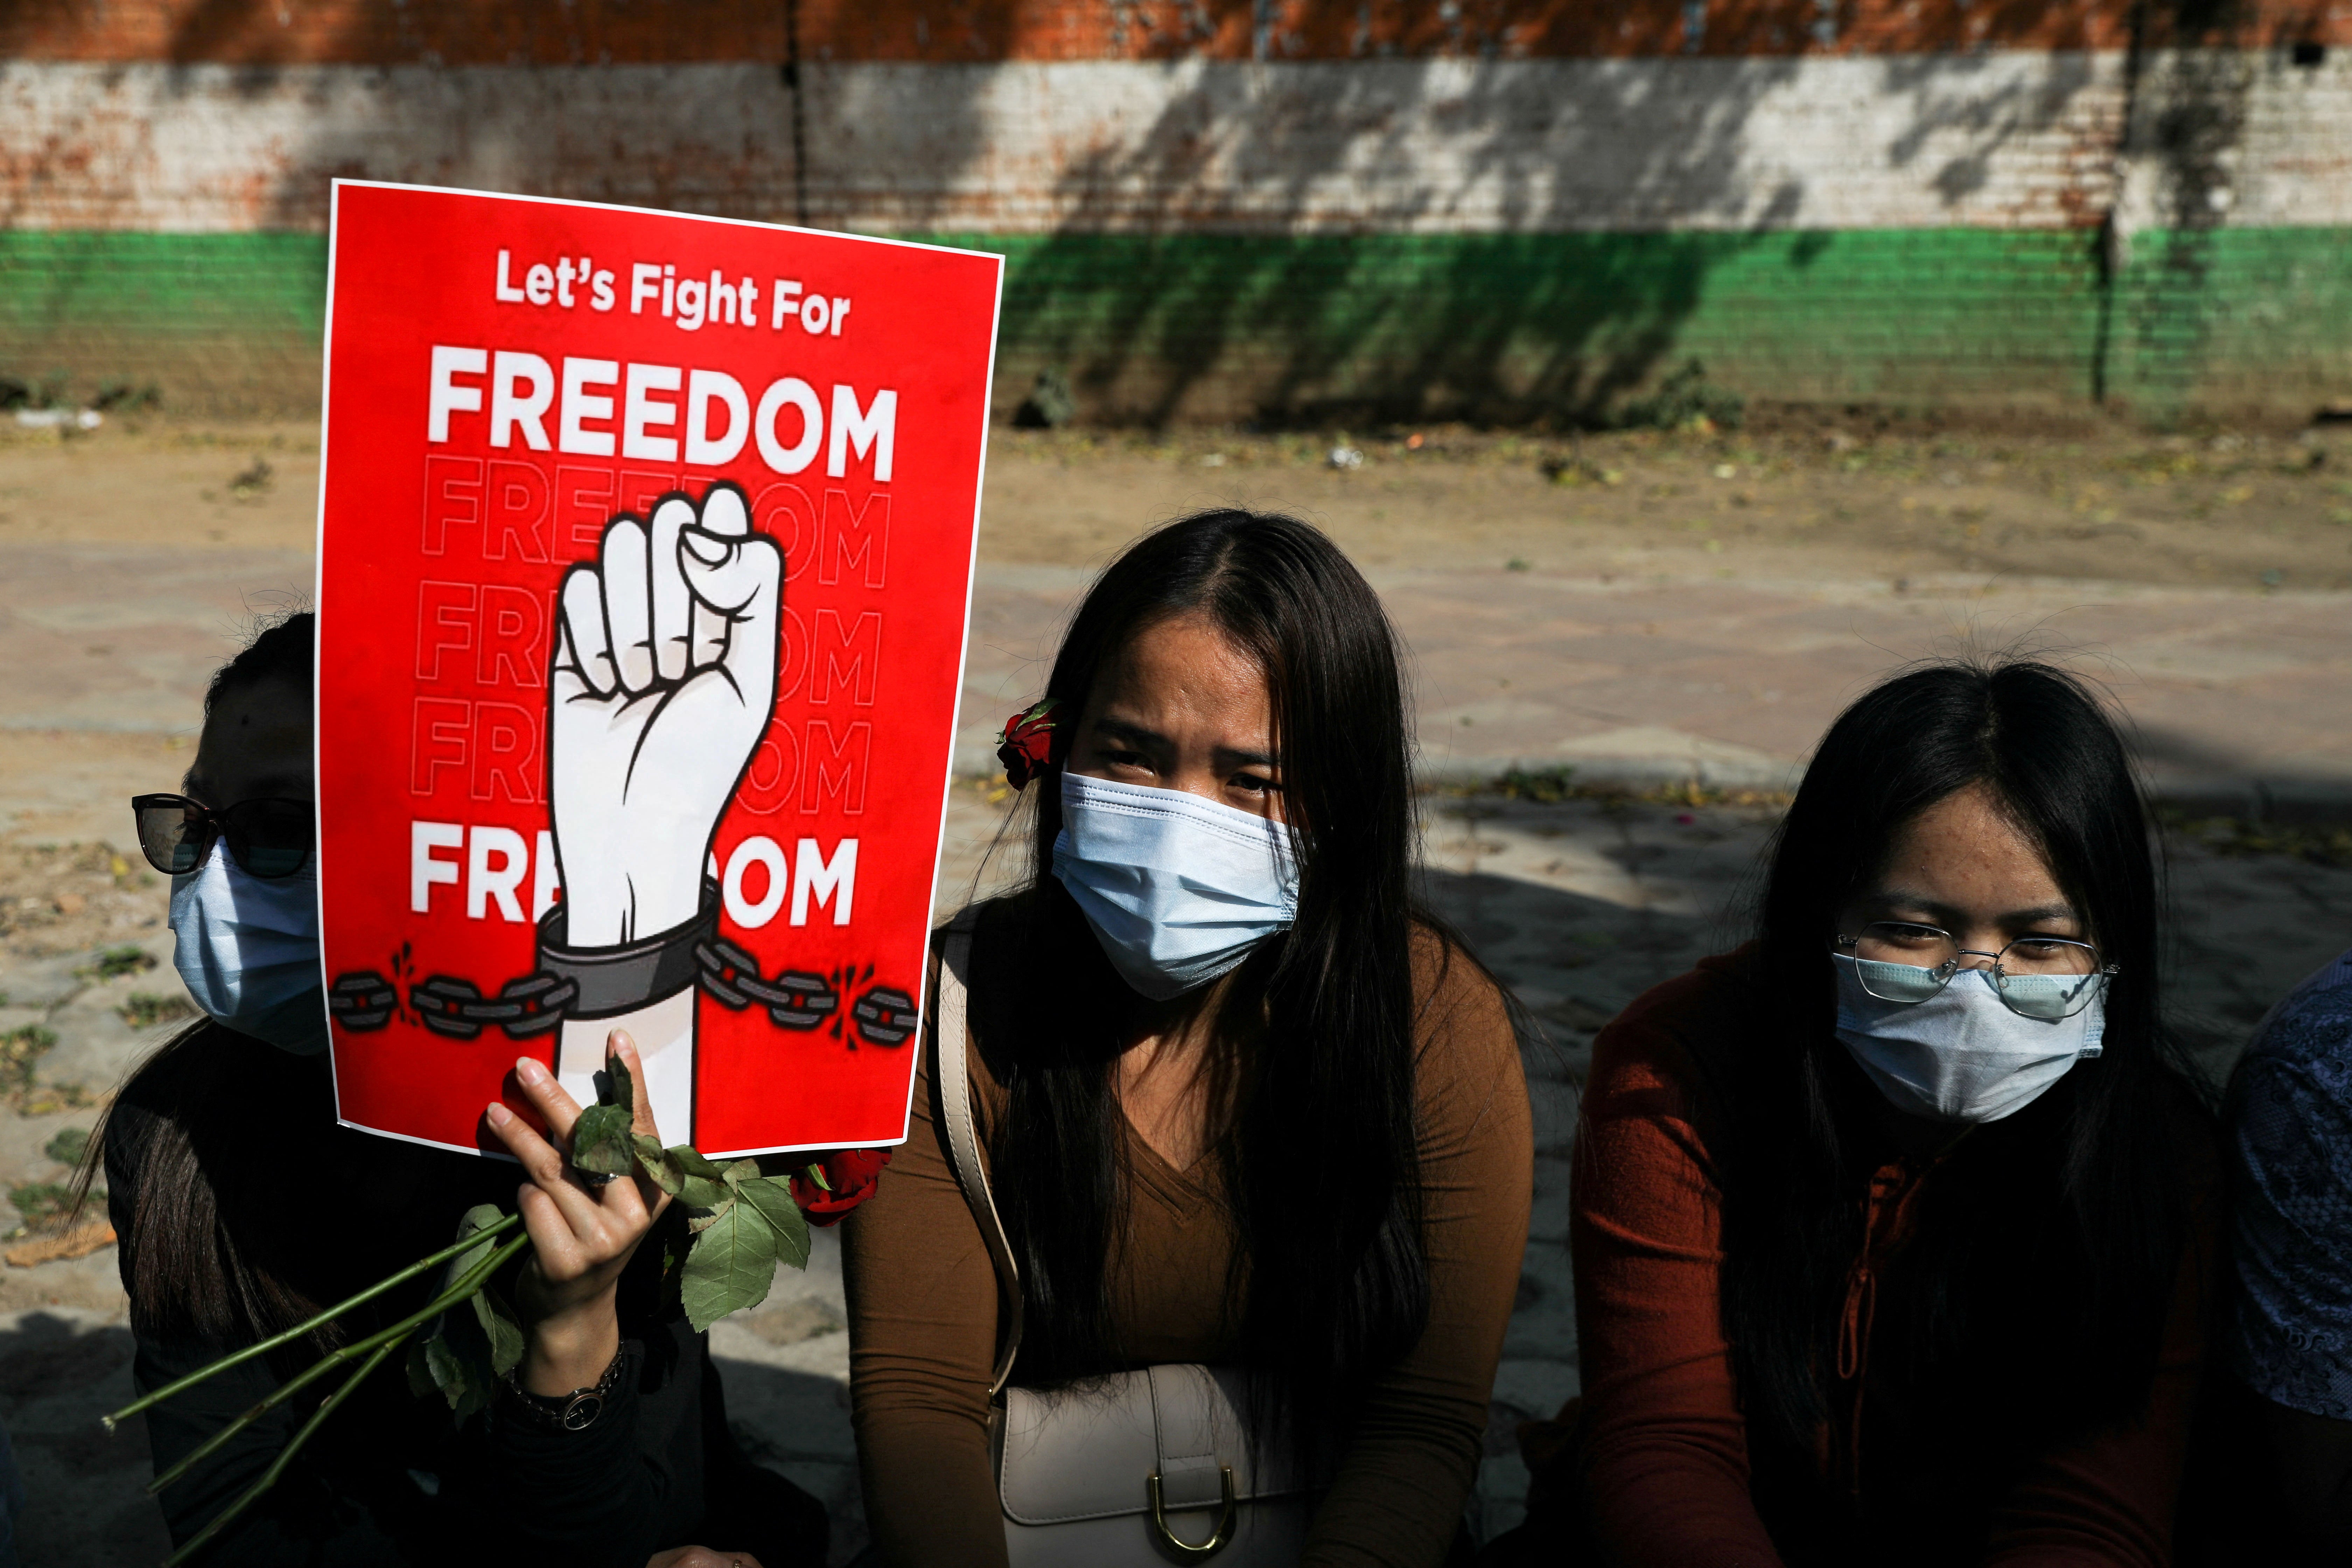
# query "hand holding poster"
(645, 550)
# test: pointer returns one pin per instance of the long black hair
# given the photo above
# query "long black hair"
(2031, 1303)
(1318, 1155)
(206, 1261)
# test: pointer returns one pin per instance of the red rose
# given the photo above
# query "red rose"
(850, 1177)
(1027, 743)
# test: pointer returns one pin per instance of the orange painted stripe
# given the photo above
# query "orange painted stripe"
(554, 32)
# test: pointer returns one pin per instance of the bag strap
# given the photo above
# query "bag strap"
(952, 1070)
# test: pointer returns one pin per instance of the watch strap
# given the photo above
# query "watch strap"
(573, 1412)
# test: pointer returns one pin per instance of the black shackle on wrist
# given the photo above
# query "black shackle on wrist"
(615, 981)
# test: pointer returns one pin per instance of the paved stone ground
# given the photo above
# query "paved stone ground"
(2241, 695)
(2242, 698)
(1642, 678)
(1579, 906)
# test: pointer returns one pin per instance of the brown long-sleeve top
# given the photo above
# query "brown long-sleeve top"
(1664, 1445)
(923, 1308)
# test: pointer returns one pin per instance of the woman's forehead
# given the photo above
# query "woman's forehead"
(1188, 662)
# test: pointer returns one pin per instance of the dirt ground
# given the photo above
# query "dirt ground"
(1814, 500)
(1578, 903)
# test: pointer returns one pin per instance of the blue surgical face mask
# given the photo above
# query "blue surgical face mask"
(1178, 888)
(1961, 1054)
(248, 951)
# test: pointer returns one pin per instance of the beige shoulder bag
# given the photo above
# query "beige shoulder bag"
(1148, 1467)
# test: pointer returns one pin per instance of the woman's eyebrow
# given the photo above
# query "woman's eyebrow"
(1124, 731)
(1902, 897)
(2036, 915)
(1232, 756)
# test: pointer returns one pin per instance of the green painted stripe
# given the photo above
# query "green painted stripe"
(221, 323)
(1531, 321)
(1151, 326)
(2255, 316)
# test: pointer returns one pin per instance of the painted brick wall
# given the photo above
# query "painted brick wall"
(606, 31)
(1215, 210)
(1158, 327)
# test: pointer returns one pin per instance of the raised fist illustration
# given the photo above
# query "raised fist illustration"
(664, 669)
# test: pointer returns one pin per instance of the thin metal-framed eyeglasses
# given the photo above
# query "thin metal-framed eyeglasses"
(268, 838)
(2046, 977)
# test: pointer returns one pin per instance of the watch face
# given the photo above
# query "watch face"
(583, 1412)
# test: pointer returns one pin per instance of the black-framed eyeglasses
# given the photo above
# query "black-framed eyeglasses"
(2036, 976)
(267, 838)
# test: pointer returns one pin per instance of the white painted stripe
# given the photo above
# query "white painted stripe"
(2014, 139)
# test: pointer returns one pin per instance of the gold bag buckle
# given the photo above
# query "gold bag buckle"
(1185, 1550)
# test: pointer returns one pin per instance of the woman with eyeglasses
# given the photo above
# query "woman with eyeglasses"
(244, 1209)
(1894, 1230)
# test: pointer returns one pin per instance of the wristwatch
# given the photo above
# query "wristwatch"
(573, 1412)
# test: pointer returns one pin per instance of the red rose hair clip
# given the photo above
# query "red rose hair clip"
(1027, 745)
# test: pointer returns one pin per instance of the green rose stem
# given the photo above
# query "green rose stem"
(746, 1225)
(220, 1521)
(384, 1341)
(300, 1329)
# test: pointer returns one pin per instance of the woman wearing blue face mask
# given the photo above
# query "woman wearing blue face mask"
(1219, 1170)
(1893, 1231)
(243, 1209)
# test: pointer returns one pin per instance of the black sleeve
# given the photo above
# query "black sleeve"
(308, 1518)
(629, 1485)
(389, 1478)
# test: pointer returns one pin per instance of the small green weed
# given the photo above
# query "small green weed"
(143, 1011)
(1684, 401)
(1545, 786)
(2236, 835)
(19, 1048)
(115, 963)
(68, 1146)
(48, 1205)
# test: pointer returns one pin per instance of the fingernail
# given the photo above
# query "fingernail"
(708, 549)
(530, 1072)
(499, 1114)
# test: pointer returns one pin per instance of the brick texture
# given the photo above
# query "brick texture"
(1229, 208)
(1153, 328)
(575, 32)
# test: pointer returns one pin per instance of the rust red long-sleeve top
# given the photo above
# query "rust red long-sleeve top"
(1663, 1443)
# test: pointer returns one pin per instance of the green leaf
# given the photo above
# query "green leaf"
(458, 1376)
(680, 1173)
(499, 1326)
(731, 1265)
(738, 1172)
(700, 1183)
(773, 1196)
(701, 1192)
(420, 1375)
(602, 1143)
(703, 1222)
(816, 1173)
(615, 1087)
(659, 1165)
(479, 1218)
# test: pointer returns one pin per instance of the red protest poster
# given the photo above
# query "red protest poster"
(645, 552)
